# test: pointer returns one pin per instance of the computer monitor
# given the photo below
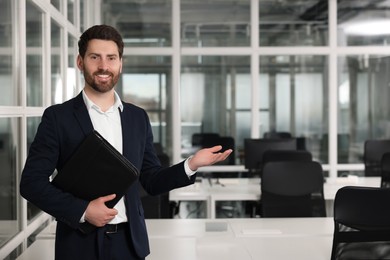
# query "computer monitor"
(255, 148)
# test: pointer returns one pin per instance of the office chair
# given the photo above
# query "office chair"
(254, 150)
(227, 142)
(204, 139)
(385, 170)
(158, 206)
(278, 156)
(286, 155)
(372, 156)
(277, 135)
(292, 189)
(361, 224)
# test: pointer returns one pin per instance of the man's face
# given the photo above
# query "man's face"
(101, 65)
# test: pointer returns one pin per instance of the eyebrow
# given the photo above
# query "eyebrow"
(109, 55)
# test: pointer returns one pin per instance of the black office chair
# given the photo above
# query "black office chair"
(292, 189)
(372, 156)
(385, 170)
(158, 206)
(227, 142)
(277, 135)
(286, 155)
(204, 139)
(361, 224)
(279, 156)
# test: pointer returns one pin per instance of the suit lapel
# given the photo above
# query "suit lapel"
(81, 114)
(126, 131)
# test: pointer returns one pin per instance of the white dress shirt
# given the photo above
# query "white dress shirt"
(108, 124)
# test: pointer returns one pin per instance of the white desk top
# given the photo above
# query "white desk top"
(228, 239)
(249, 189)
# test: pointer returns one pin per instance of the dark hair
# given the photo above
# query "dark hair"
(101, 32)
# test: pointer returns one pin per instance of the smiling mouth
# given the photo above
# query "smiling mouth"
(103, 76)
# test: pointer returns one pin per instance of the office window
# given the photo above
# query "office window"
(215, 23)
(363, 102)
(9, 150)
(146, 82)
(362, 23)
(5, 24)
(145, 23)
(28, 85)
(293, 99)
(214, 91)
(9, 95)
(34, 58)
(293, 23)
(71, 79)
(32, 126)
(83, 16)
(71, 11)
(56, 71)
(57, 4)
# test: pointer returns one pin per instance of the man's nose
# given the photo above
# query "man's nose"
(103, 64)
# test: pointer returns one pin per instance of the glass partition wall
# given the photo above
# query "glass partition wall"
(316, 69)
(244, 69)
(34, 74)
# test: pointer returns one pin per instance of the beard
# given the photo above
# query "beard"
(100, 86)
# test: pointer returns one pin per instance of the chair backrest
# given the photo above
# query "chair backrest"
(157, 206)
(204, 139)
(277, 135)
(372, 155)
(207, 140)
(361, 223)
(385, 170)
(291, 189)
(286, 155)
(227, 142)
(254, 150)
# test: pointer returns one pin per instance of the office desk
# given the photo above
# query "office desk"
(248, 189)
(228, 239)
(243, 239)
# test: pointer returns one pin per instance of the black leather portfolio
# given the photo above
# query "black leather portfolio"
(96, 169)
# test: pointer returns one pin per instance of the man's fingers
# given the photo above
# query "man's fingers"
(215, 149)
(108, 197)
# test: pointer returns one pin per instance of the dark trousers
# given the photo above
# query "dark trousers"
(105, 243)
(118, 246)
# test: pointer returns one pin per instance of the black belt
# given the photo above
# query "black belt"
(114, 228)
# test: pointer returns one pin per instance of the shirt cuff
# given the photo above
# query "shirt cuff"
(187, 169)
(82, 219)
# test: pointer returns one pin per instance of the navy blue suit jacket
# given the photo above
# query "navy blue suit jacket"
(62, 129)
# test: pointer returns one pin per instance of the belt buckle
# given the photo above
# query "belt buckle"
(113, 231)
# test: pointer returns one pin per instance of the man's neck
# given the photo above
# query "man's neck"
(103, 100)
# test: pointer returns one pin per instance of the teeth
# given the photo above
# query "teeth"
(103, 76)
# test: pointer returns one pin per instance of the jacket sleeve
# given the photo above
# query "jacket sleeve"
(42, 161)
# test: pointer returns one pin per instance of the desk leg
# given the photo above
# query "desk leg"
(211, 210)
(329, 208)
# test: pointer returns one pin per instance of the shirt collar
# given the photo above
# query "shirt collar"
(90, 105)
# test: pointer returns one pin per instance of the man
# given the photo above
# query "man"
(121, 232)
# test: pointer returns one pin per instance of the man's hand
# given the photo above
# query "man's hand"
(208, 156)
(98, 214)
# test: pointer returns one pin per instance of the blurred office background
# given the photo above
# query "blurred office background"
(317, 69)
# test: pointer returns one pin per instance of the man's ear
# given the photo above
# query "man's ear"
(79, 62)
